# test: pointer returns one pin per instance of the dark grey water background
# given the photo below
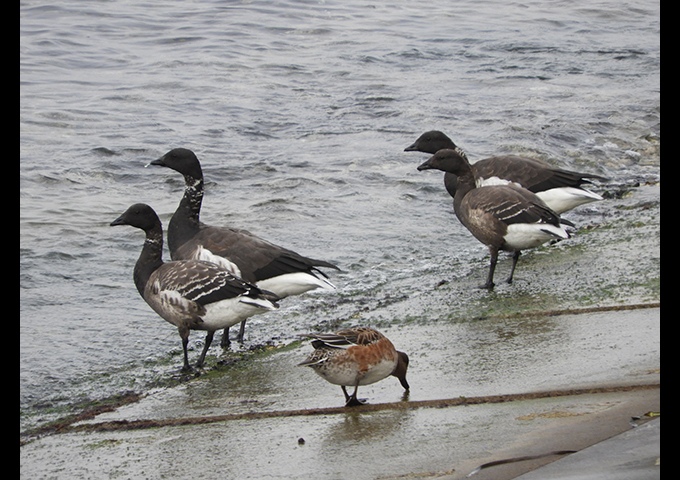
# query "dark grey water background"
(299, 112)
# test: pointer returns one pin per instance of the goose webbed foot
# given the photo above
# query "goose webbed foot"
(187, 368)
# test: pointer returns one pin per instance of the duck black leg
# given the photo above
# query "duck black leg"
(515, 257)
(353, 401)
(492, 267)
(208, 341)
(344, 390)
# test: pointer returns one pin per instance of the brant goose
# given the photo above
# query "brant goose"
(247, 256)
(503, 217)
(560, 189)
(190, 294)
(353, 357)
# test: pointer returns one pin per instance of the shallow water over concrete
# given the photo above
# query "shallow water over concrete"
(486, 357)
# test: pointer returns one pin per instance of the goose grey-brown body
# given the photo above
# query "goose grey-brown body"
(190, 294)
(503, 217)
(269, 266)
(560, 189)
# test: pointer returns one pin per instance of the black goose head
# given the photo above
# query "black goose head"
(139, 215)
(181, 160)
(447, 160)
(431, 142)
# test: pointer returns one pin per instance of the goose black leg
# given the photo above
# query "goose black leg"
(225, 342)
(184, 335)
(515, 257)
(241, 332)
(208, 341)
(492, 267)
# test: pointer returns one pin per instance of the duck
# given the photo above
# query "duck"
(562, 190)
(353, 357)
(190, 294)
(249, 257)
(503, 217)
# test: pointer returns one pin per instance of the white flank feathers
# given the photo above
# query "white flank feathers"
(235, 310)
(294, 284)
(378, 371)
(562, 199)
(350, 375)
(521, 236)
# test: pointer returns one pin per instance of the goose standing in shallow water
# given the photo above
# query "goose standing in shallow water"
(353, 357)
(503, 217)
(270, 267)
(560, 189)
(190, 294)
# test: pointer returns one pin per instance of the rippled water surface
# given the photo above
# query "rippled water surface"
(299, 112)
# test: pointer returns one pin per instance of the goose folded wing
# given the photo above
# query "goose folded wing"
(290, 262)
(534, 175)
(256, 258)
(203, 283)
(515, 206)
(513, 212)
(512, 168)
(557, 178)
